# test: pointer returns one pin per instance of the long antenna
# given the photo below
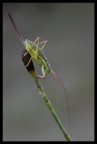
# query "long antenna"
(60, 81)
(17, 31)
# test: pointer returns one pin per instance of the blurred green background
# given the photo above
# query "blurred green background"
(69, 29)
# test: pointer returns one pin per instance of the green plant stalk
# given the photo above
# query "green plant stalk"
(47, 102)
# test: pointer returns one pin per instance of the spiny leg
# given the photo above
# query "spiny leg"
(29, 62)
(37, 49)
(37, 41)
(43, 72)
(44, 43)
(37, 53)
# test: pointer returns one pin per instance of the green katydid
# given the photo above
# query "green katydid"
(36, 54)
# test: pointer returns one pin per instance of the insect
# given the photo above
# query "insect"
(34, 53)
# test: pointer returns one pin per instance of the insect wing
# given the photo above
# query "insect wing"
(42, 54)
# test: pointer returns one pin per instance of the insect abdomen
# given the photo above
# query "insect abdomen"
(27, 60)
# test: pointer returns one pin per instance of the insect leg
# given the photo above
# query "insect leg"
(37, 53)
(43, 72)
(37, 41)
(37, 49)
(44, 43)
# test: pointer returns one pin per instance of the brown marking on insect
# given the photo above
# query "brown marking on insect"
(28, 62)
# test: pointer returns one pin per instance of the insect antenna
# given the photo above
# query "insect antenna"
(17, 31)
(60, 81)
